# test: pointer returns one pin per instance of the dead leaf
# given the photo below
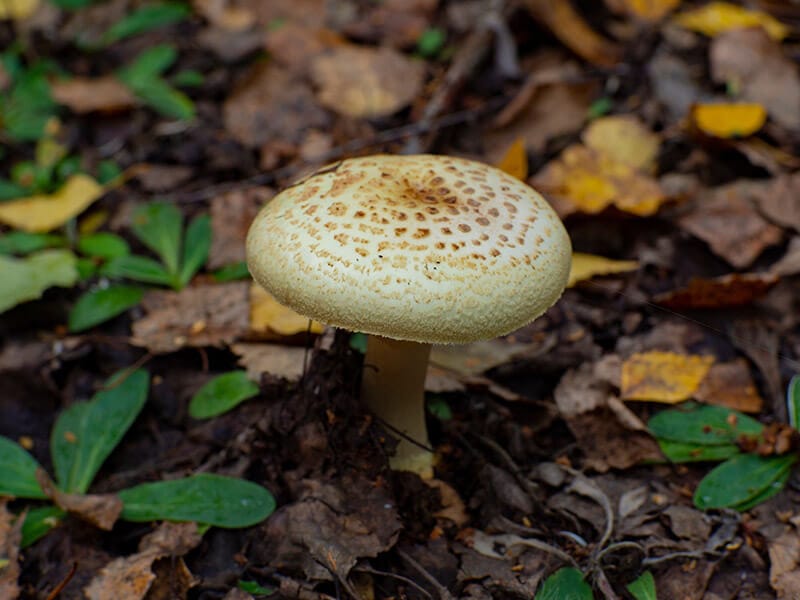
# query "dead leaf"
(715, 18)
(231, 215)
(729, 120)
(131, 577)
(10, 538)
(588, 181)
(45, 212)
(779, 200)
(586, 266)
(477, 357)
(623, 139)
(203, 315)
(645, 10)
(295, 46)
(226, 14)
(101, 94)
(271, 104)
(730, 385)
(453, 508)
(101, 510)
(736, 289)
(160, 178)
(756, 340)
(784, 570)
(279, 361)
(268, 316)
(789, 264)
(757, 70)
(726, 220)
(18, 9)
(366, 82)
(515, 160)
(663, 376)
(686, 581)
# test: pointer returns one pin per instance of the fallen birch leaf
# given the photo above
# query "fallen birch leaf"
(267, 315)
(730, 385)
(84, 94)
(663, 376)
(729, 120)
(586, 266)
(366, 82)
(644, 10)
(624, 139)
(45, 212)
(515, 160)
(715, 18)
(736, 289)
(27, 278)
(17, 9)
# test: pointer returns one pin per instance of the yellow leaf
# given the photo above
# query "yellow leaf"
(45, 212)
(586, 266)
(515, 160)
(622, 138)
(648, 10)
(729, 120)
(269, 316)
(18, 9)
(663, 376)
(718, 17)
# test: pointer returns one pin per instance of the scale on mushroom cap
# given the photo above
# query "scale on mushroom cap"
(412, 250)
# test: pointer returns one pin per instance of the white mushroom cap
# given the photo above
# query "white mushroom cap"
(432, 249)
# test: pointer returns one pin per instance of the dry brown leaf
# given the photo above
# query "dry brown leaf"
(515, 160)
(726, 220)
(269, 317)
(736, 289)
(10, 538)
(159, 178)
(271, 104)
(623, 139)
(101, 510)
(131, 577)
(226, 14)
(366, 82)
(729, 120)
(587, 181)
(757, 69)
(716, 18)
(586, 266)
(453, 508)
(204, 315)
(784, 570)
(779, 200)
(100, 94)
(789, 264)
(663, 376)
(730, 385)
(295, 47)
(279, 361)
(231, 215)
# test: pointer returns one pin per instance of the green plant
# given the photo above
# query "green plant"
(567, 582)
(83, 437)
(221, 394)
(693, 432)
(27, 106)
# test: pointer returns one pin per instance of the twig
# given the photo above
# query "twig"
(406, 580)
(444, 594)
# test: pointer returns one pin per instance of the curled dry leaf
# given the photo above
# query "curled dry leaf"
(365, 82)
(101, 94)
(663, 376)
(204, 315)
(101, 510)
(715, 18)
(736, 289)
(728, 120)
(730, 385)
(756, 68)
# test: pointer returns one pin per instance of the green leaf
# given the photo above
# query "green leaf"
(18, 471)
(678, 452)
(159, 226)
(144, 19)
(97, 306)
(221, 394)
(27, 278)
(768, 492)
(232, 272)
(254, 588)
(22, 242)
(25, 110)
(11, 191)
(71, 4)
(431, 42)
(39, 522)
(108, 171)
(204, 498)
(740, 479)
(138, 268)
(703, 425)
(188, 78)
(600, 107)
(103, 245)
(565, 584)
(644, 588)
(86, 268)
(148, 65)
(358, 342)
(86, 433)
(440, 409)
(793, 401)
(165, 99)
(195, 247)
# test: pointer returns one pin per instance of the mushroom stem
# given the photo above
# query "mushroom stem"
(393, 388)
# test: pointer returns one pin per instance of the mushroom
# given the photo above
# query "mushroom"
(412, 250)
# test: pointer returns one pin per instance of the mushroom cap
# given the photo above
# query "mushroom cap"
(426, 248)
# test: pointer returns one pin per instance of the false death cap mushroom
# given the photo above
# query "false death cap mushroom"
(412, 250)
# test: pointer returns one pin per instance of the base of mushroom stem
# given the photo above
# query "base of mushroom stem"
(419, 462)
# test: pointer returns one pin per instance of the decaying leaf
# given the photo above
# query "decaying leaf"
(736, 289)
(131, 577)
(364, 82)
(272, 359)
(730, 385)
(715, 18)
(645, 10)
(784, 559)
(729, 120)
(101, 510)
(85, 95)
(623, 139)
(45, 212)
(204, 315)
(231, 215)
(18, 9)
(779, 200)
(268, 316)
(27, 278)
(663, 376)
(10, 537)
(515, 160)
(226, 14)
(586, 266)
